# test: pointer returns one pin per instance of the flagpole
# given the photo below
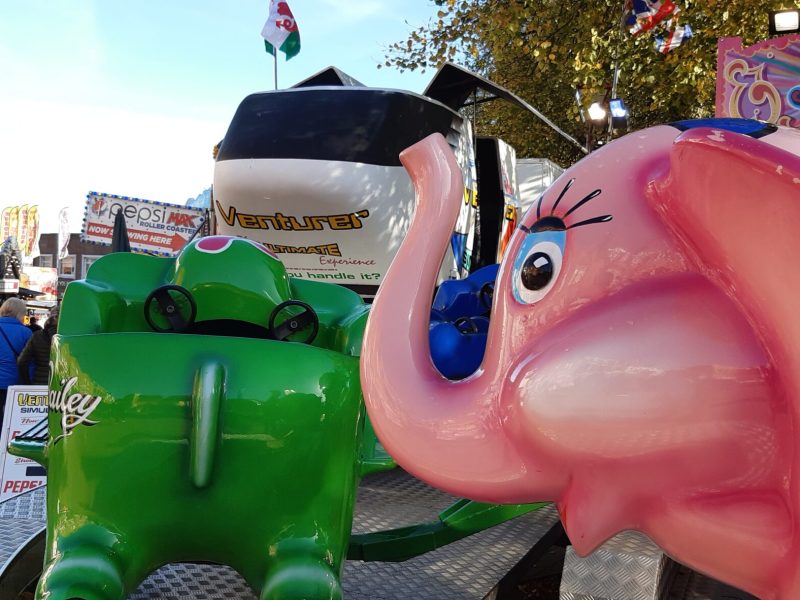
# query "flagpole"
(617, 50)
(615, 76)
(280, 33)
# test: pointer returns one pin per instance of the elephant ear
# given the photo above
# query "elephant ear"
(734, 203)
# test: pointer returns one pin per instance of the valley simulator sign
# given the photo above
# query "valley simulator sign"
(153, 227)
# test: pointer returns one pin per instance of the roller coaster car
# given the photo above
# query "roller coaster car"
(183, 426)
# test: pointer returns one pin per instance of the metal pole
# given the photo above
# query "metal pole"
(616, 54)
(615, 79)
(275, 57)
(553, 126)
(474, 113)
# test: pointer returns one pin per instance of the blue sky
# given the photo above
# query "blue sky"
(129, 97)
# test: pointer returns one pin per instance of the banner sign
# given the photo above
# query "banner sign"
(153, 227)
(22, 222)
(63, 233)
(512, 209)
(26, 407)
(41, 279)
(9, 286)
(761, 81)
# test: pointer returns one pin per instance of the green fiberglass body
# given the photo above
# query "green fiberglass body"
(228, 445)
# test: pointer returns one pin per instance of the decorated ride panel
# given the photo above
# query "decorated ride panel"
(759, 81)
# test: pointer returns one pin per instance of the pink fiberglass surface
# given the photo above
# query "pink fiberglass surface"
(642, 368)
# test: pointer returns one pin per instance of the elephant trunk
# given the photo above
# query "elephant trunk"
(448, 433)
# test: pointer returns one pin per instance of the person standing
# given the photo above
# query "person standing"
(37, 353)
(13, 337)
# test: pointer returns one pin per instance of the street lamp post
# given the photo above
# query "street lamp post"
(590, 118)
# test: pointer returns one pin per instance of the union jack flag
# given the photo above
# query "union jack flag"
(673, 37)
(646, 14)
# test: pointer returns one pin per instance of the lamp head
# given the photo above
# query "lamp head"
(619, 113)
(784, 21)
(596, 112)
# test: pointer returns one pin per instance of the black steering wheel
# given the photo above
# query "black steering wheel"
(174, 306)
(465, 325)
(486, 295)
(305, 319)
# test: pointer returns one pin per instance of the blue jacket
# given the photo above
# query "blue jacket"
(18, 335)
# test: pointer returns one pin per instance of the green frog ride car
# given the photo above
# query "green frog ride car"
(202, 408)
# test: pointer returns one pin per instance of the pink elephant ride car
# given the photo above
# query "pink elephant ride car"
(642, 366)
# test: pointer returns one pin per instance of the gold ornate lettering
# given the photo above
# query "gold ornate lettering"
(759, 90)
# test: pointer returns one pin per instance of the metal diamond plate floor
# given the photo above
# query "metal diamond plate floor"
(465, 569)
(468, 568)
(628, 567)
(20, 518)
(200, 582)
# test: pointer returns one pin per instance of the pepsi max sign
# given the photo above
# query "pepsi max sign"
(153, 227)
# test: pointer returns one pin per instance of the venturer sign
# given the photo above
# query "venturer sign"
(281, 222)
(153, 227)
(26, 407)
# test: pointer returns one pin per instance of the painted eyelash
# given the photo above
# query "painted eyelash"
(561, 195)
(581, 202)
(603, 219)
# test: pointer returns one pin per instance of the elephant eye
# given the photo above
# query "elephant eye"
(537, 266)
(537, 271)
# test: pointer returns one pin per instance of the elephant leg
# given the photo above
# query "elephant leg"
(301, 577)
(83, 572)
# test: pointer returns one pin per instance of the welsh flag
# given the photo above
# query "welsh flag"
(280, 30)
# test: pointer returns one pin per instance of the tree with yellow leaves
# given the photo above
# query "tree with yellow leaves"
(543, 50)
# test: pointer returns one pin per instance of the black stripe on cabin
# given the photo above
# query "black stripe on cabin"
(364, 125)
